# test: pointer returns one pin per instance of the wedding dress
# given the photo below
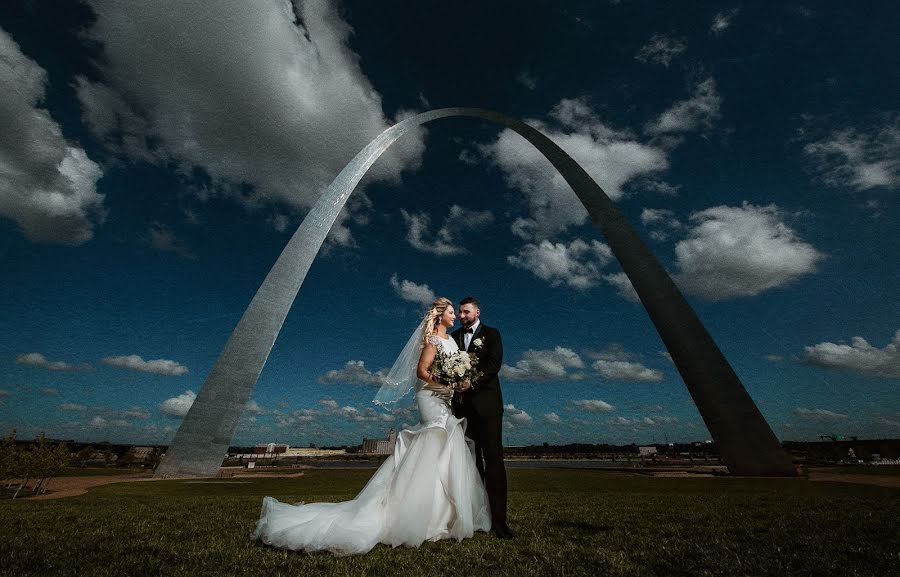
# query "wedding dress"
(428, 489)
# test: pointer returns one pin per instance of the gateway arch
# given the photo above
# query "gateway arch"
(746, 443)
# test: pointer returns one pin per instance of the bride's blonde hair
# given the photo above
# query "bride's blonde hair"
(435, 312)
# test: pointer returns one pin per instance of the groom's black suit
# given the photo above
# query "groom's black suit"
(482, 407)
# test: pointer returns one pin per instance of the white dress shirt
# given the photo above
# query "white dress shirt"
(467, 337)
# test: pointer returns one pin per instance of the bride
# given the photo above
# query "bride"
(428, 489)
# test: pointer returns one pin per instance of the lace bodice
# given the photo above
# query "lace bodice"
(445, 346)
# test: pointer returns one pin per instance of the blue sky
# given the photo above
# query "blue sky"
(155, 159)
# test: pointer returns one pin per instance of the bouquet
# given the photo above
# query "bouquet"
(455, 368)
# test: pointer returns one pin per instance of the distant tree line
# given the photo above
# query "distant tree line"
(39, 462)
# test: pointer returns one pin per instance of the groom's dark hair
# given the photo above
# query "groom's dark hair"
(470, 301)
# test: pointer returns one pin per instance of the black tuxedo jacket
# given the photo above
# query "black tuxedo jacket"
(485, 398)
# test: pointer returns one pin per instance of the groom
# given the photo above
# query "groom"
(482, 406)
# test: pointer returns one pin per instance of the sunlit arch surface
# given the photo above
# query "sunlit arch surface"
(744, 439)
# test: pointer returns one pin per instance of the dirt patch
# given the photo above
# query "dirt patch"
(59, 487)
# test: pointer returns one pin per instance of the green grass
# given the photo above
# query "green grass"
(568, 522)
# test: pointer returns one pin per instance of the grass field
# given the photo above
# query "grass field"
(567, 522)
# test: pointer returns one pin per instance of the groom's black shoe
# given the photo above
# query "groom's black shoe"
(502, 532)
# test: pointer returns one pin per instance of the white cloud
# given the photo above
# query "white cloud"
(577, 265)
(98, 422)
(527, 80)
(661, 222)
(354, 373)
(623, 286)
(661, 49)
(699, 112)
(133, 413)
(162, 238)
(446, 241)
(858, 357)
(157, 366)
(774, 358)
(410, 291)
(859, 158)
(642, 422)
(611, 157)
(329, 404)
(39, 360)
(72, 407)
(253, 408)
(741, 251)
(552, 418)
(544, 365)
(593, 406)
(723, 20)
(819, 414)
(178, 406)
(47, 186)
(618, 370)
(516, 416)
(267, 94)
(50, 392)
(368, 415)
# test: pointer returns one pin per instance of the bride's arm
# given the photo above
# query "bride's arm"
(423, 372)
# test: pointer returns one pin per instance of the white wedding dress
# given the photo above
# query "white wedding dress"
(428, 489)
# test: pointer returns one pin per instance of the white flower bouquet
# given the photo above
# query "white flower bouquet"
(455, 368)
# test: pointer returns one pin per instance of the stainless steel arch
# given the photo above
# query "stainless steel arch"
(744, 439)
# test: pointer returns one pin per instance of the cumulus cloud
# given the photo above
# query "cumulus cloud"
(447, 240)
(741, 251)
(48, 186)
(329, 404)
(592, 406)
(527, 80)
(577, 265)
(859, 158)
(412, 292)
(157, 366)
(516, 416)
(722, 21)
(253, 408)
(857, 357)
(623, 286)
(544, 365)
(72, 407)
(642, 422)
(661, 49)
(98, 422)
(353, 373)
(50, 392)
(178, 406)
(162, 238)
(626, 371)
(552, 418)
(661, 222)
(266, 95)
(819, 414)
(39, 360)
(699, 112)
(368, 415)
(611, 157)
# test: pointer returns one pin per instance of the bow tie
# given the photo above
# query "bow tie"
(469, 331)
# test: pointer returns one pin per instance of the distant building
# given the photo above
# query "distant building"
(141, 453)
(380, 446)
(270, 449)
(646, 451)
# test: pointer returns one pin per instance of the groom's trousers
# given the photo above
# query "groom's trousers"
(486, 433)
